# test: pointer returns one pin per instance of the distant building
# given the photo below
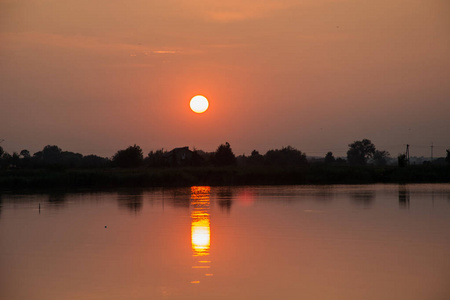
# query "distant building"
(179, 157)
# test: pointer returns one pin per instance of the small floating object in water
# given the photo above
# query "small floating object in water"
(106, 226)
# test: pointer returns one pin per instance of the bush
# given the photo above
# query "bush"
(129, 158)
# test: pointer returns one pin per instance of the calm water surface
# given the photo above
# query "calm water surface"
(295, 242)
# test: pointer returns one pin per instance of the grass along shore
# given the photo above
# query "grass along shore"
(216, 176)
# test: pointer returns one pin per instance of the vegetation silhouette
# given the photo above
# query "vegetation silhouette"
(380, 157)
(131, 157)
(255, 158)
(25, 154)
(329, 158)
(224, 156)
(401, 159)
(156, 159)
(197, 159)
(52, 167)
(360, 151)
(286, 156)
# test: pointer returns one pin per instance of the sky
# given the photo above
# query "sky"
(97, 76)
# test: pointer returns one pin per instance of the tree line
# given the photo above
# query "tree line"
(359, 153)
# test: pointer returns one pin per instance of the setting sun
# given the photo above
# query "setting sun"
(199, 104)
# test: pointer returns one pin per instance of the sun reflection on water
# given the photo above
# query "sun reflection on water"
(200, 227)
(200, 235)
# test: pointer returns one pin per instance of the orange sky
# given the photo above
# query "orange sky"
(98, 76)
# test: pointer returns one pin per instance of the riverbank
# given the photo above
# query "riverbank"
(216, 176)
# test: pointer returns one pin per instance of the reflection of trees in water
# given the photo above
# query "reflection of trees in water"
(181, 198)
(403, 196)
(57, 200)
(131, 201)
(1, 204)
(364, 198)
(324, 194)
(225, 199)
(294, 194)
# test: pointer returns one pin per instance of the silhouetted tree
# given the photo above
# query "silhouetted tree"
(5, 160)
(206, 157)
(329, 158)
(71, 159)
(380, 157)
(401, 158)
(360, 151)
(25, 159)
(129, 158)
(94, 161)
(156, 158)
(51, 154)
(287, 156)
(224, 156)
(15, 159)
(197, 159)
(255, 158)
(341, 161)
(25, 154)
(447, 158)
(53, 157)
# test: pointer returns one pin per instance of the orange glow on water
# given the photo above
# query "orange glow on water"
(200, 226)
(200, 230)
(201, 236)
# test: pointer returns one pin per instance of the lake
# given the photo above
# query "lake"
(263, 242)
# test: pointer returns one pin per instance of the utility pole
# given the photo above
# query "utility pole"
(407, 154)
(431, 151)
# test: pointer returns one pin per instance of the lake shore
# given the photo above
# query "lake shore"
(219, 176)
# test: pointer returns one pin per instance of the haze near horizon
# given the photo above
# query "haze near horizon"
(96, 77)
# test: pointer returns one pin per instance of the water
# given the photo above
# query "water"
(290, 242)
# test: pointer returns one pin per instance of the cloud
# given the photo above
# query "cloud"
(65, 41)
(164, 51)
(220, 46)
(74, 42)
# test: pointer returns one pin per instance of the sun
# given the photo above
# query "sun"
(199, 104)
